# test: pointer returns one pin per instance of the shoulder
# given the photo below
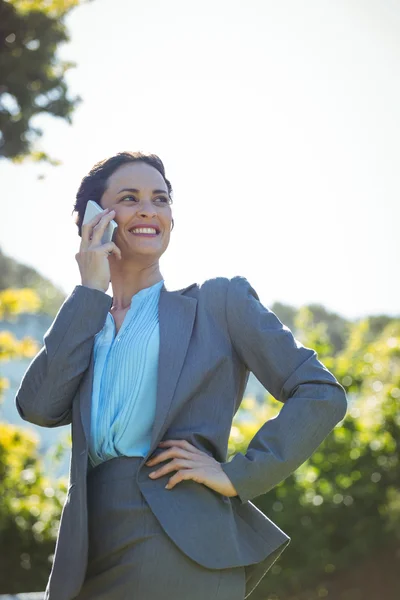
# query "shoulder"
(215, 285)
(221, 290)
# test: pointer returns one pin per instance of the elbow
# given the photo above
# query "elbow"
(42, 420)
(23, 413)
(340, 404)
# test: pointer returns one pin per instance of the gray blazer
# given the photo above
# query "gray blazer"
(211, 336)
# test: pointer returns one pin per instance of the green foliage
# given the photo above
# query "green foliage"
(343, 504)
(341, 507)
(31, 75)
(31, 501)
(30, 510)
(16, 275)
(12, 302)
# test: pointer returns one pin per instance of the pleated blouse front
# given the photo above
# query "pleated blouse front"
(125, 381)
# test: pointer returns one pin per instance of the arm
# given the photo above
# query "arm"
(51, 380)
(313, 400)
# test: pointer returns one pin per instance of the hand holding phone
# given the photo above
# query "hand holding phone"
(92, 210)
(93, 254)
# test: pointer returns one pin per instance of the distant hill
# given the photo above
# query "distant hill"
(15, 275)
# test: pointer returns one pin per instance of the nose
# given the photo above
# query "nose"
(147, 208)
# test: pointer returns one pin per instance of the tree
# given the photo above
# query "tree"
(14, 274)
(31, 501)
(341, 507)
(31, 75)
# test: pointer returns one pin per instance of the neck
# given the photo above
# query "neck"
(126, 283)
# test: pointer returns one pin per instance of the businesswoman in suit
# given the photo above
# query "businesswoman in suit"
(150, 380)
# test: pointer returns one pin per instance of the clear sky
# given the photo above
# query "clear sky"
(279, 127)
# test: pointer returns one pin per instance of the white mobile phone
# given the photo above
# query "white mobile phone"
(93, 209)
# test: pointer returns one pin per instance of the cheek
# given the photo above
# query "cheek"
(166, 236)
(122, 213)
(166, 220)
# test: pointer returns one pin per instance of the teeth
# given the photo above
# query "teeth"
(143, 230)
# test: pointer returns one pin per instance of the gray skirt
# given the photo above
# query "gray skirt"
(130, 555)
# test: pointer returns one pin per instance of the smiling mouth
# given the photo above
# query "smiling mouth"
(144, 231)
(142, 234)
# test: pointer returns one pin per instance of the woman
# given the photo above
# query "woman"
(150, 380)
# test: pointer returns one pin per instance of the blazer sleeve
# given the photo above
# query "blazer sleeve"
(50, 382)
(313, 400)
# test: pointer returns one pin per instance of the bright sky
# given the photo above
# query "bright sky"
(278, 124)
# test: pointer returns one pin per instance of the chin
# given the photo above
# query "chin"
(149, 253)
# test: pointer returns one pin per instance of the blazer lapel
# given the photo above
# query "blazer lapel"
(85, 398)
(176, 314)
(176, 319)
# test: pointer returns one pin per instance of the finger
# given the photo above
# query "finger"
(171, 453)
(99, 228)
(174, 465)
(87, 227)
(183, 475)
(111, 248)
(100, 225)
(182, 444)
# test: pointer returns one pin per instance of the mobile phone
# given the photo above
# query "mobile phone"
(93, 209)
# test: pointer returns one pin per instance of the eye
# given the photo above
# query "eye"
(163, 199)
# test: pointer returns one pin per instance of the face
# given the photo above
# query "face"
(139, 195)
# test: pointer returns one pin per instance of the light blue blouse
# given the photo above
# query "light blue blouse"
(125, 381)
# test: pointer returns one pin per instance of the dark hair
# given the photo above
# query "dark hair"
(94, 184)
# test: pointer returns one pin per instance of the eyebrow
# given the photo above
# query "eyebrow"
(135, 191)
